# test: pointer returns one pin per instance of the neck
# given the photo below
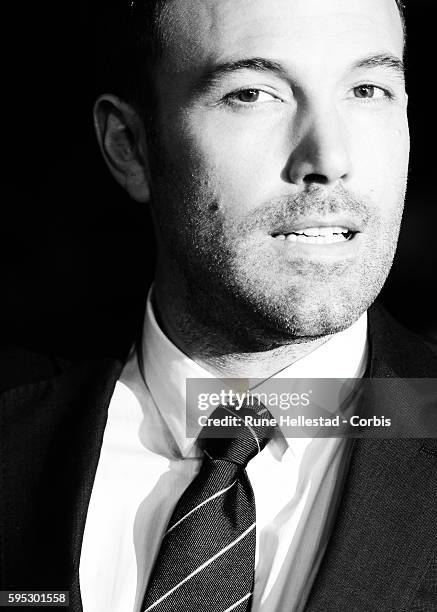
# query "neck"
(231, 350)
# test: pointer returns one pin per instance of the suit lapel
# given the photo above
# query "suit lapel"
(52, 444)
(383, 537)
(52, 435)
(83, 463)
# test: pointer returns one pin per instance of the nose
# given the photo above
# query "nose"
(321, 155)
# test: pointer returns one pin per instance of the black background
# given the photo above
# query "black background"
(76, 253)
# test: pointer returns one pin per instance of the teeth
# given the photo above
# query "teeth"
(316, 239)
(321, 231)
(317, 235)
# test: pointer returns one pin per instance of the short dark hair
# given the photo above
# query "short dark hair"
(401, 6)
(129, 45)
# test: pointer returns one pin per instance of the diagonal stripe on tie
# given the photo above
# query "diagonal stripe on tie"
(200, 574)
(207, 555)
(206, 528)
(199, 506)
(240, 602)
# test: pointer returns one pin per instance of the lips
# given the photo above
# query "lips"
(317, 231)
(318, 235)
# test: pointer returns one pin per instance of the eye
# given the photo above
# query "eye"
(248, 95)
(251, 96)
(369, 92)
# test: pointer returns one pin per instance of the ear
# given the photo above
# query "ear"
(122, 139)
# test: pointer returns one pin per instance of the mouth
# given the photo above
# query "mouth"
(318, 235)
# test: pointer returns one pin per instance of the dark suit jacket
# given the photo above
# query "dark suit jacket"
(382, 553)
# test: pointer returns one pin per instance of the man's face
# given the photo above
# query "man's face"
(279, 157)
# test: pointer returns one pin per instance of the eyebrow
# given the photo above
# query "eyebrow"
(257, 64)
(382, 60)
(260, 64)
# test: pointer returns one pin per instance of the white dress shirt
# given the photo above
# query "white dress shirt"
(146, 463)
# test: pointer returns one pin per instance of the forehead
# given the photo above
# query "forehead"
(198, 32)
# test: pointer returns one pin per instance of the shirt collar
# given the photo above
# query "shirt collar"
(165, 369)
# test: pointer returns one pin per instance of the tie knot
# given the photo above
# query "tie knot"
(235, 435)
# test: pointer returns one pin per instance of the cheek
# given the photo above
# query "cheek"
(242, 159)
(380, 154)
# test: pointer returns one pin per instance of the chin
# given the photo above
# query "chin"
(321, 320)
(314, 315)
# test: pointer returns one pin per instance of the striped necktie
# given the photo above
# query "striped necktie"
(207, 556)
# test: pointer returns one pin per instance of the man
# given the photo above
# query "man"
(270, 141)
